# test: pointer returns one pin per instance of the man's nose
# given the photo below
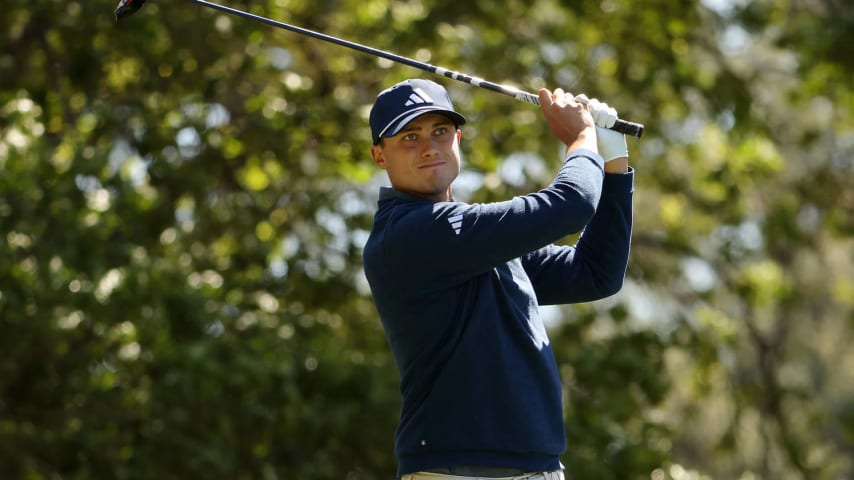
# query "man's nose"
(430, 147)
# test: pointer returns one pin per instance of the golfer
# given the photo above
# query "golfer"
(457, 285)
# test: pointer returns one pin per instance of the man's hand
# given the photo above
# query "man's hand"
(569, 120)
(612, 145)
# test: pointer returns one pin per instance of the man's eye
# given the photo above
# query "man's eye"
(410, 136)
(441, 130)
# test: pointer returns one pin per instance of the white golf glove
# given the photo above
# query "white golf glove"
(612, 145)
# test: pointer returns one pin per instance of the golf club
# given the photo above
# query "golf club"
(129, 7)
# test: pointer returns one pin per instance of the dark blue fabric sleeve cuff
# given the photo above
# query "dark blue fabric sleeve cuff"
(616, 183)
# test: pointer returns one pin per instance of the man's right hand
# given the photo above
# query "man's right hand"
(569, 120)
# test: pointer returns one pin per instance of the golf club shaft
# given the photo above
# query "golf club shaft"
(622, 126)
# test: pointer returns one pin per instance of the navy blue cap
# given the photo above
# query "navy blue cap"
(403, 102)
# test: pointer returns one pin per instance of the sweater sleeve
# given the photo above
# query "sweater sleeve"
(596, 266)
(451, 241)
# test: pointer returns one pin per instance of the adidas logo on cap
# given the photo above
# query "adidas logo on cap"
(418, 96)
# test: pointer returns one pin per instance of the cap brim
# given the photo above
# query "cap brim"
(395, 126)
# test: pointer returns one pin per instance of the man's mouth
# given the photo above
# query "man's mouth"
(431, 165)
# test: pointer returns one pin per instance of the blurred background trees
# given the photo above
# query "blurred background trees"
(184, 198)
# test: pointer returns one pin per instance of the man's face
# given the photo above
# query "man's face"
(424, 158)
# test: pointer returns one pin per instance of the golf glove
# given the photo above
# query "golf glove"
(612, 145)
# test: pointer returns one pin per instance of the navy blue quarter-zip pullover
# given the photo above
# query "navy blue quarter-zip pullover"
(458, 286)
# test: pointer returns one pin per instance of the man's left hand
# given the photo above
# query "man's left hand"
(612, 145)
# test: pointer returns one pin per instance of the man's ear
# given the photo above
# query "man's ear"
(378, 155)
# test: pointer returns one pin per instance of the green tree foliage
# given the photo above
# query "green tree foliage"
(184, 197)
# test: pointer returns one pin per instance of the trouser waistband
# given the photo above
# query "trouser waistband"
(556, 475)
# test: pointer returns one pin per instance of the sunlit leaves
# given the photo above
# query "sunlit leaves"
(254, 177)
(763, 284)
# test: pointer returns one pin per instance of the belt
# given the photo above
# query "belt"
(556, 475)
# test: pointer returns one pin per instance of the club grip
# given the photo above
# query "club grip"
(628, 128)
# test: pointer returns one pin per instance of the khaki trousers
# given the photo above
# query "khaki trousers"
(556, 475)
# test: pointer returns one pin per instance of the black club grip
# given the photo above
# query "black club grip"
(628, 128)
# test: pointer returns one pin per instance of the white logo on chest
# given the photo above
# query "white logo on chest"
(456, 223)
